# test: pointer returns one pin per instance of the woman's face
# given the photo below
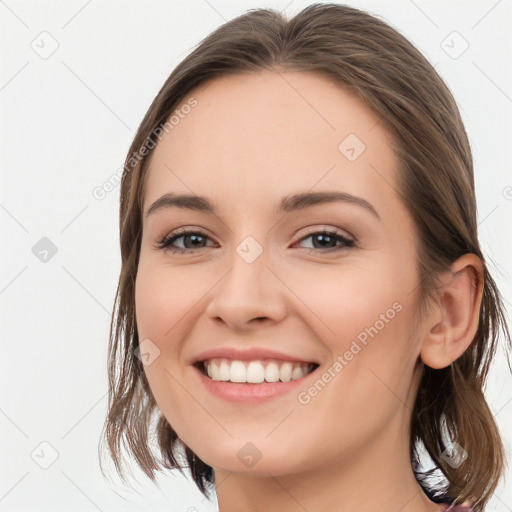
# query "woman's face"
(261, 282)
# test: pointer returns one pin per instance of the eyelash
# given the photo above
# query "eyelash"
(166, 242)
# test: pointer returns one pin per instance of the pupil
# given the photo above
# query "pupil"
(325, 238)
(195, 239)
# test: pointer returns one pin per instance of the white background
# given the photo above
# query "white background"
(66, 125)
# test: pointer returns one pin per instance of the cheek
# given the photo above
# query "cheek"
(160, 303)
(349, 299)
(167, 306)
(165, 298)
(364, 316)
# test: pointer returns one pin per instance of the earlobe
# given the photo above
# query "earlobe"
(454, 319)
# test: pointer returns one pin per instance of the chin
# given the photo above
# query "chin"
(253, 459)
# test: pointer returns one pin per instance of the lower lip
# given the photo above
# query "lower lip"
(249, 393)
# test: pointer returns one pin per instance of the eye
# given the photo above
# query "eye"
(327, 241)
(190, 241)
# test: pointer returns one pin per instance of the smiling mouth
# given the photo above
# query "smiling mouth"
(254, 372)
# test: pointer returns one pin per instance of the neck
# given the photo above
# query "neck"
(377, 477)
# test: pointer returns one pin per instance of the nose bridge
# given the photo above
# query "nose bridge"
(249, 289)
(247, 281)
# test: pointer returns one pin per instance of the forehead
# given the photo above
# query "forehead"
(257, 135)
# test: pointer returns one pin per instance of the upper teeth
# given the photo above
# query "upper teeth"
(255, 372)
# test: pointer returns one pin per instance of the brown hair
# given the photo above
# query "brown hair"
(369, 57)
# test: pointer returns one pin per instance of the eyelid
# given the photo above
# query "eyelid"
(323, 228)
(165, 242)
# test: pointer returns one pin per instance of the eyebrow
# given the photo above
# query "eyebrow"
(288, 203)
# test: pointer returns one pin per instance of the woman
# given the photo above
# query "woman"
(303, 306)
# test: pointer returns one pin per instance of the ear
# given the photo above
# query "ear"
(454, 319)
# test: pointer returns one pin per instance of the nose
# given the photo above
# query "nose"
(249, 295)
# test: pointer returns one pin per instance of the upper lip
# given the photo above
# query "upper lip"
(247, 354)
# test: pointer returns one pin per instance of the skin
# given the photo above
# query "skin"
(251, 140)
